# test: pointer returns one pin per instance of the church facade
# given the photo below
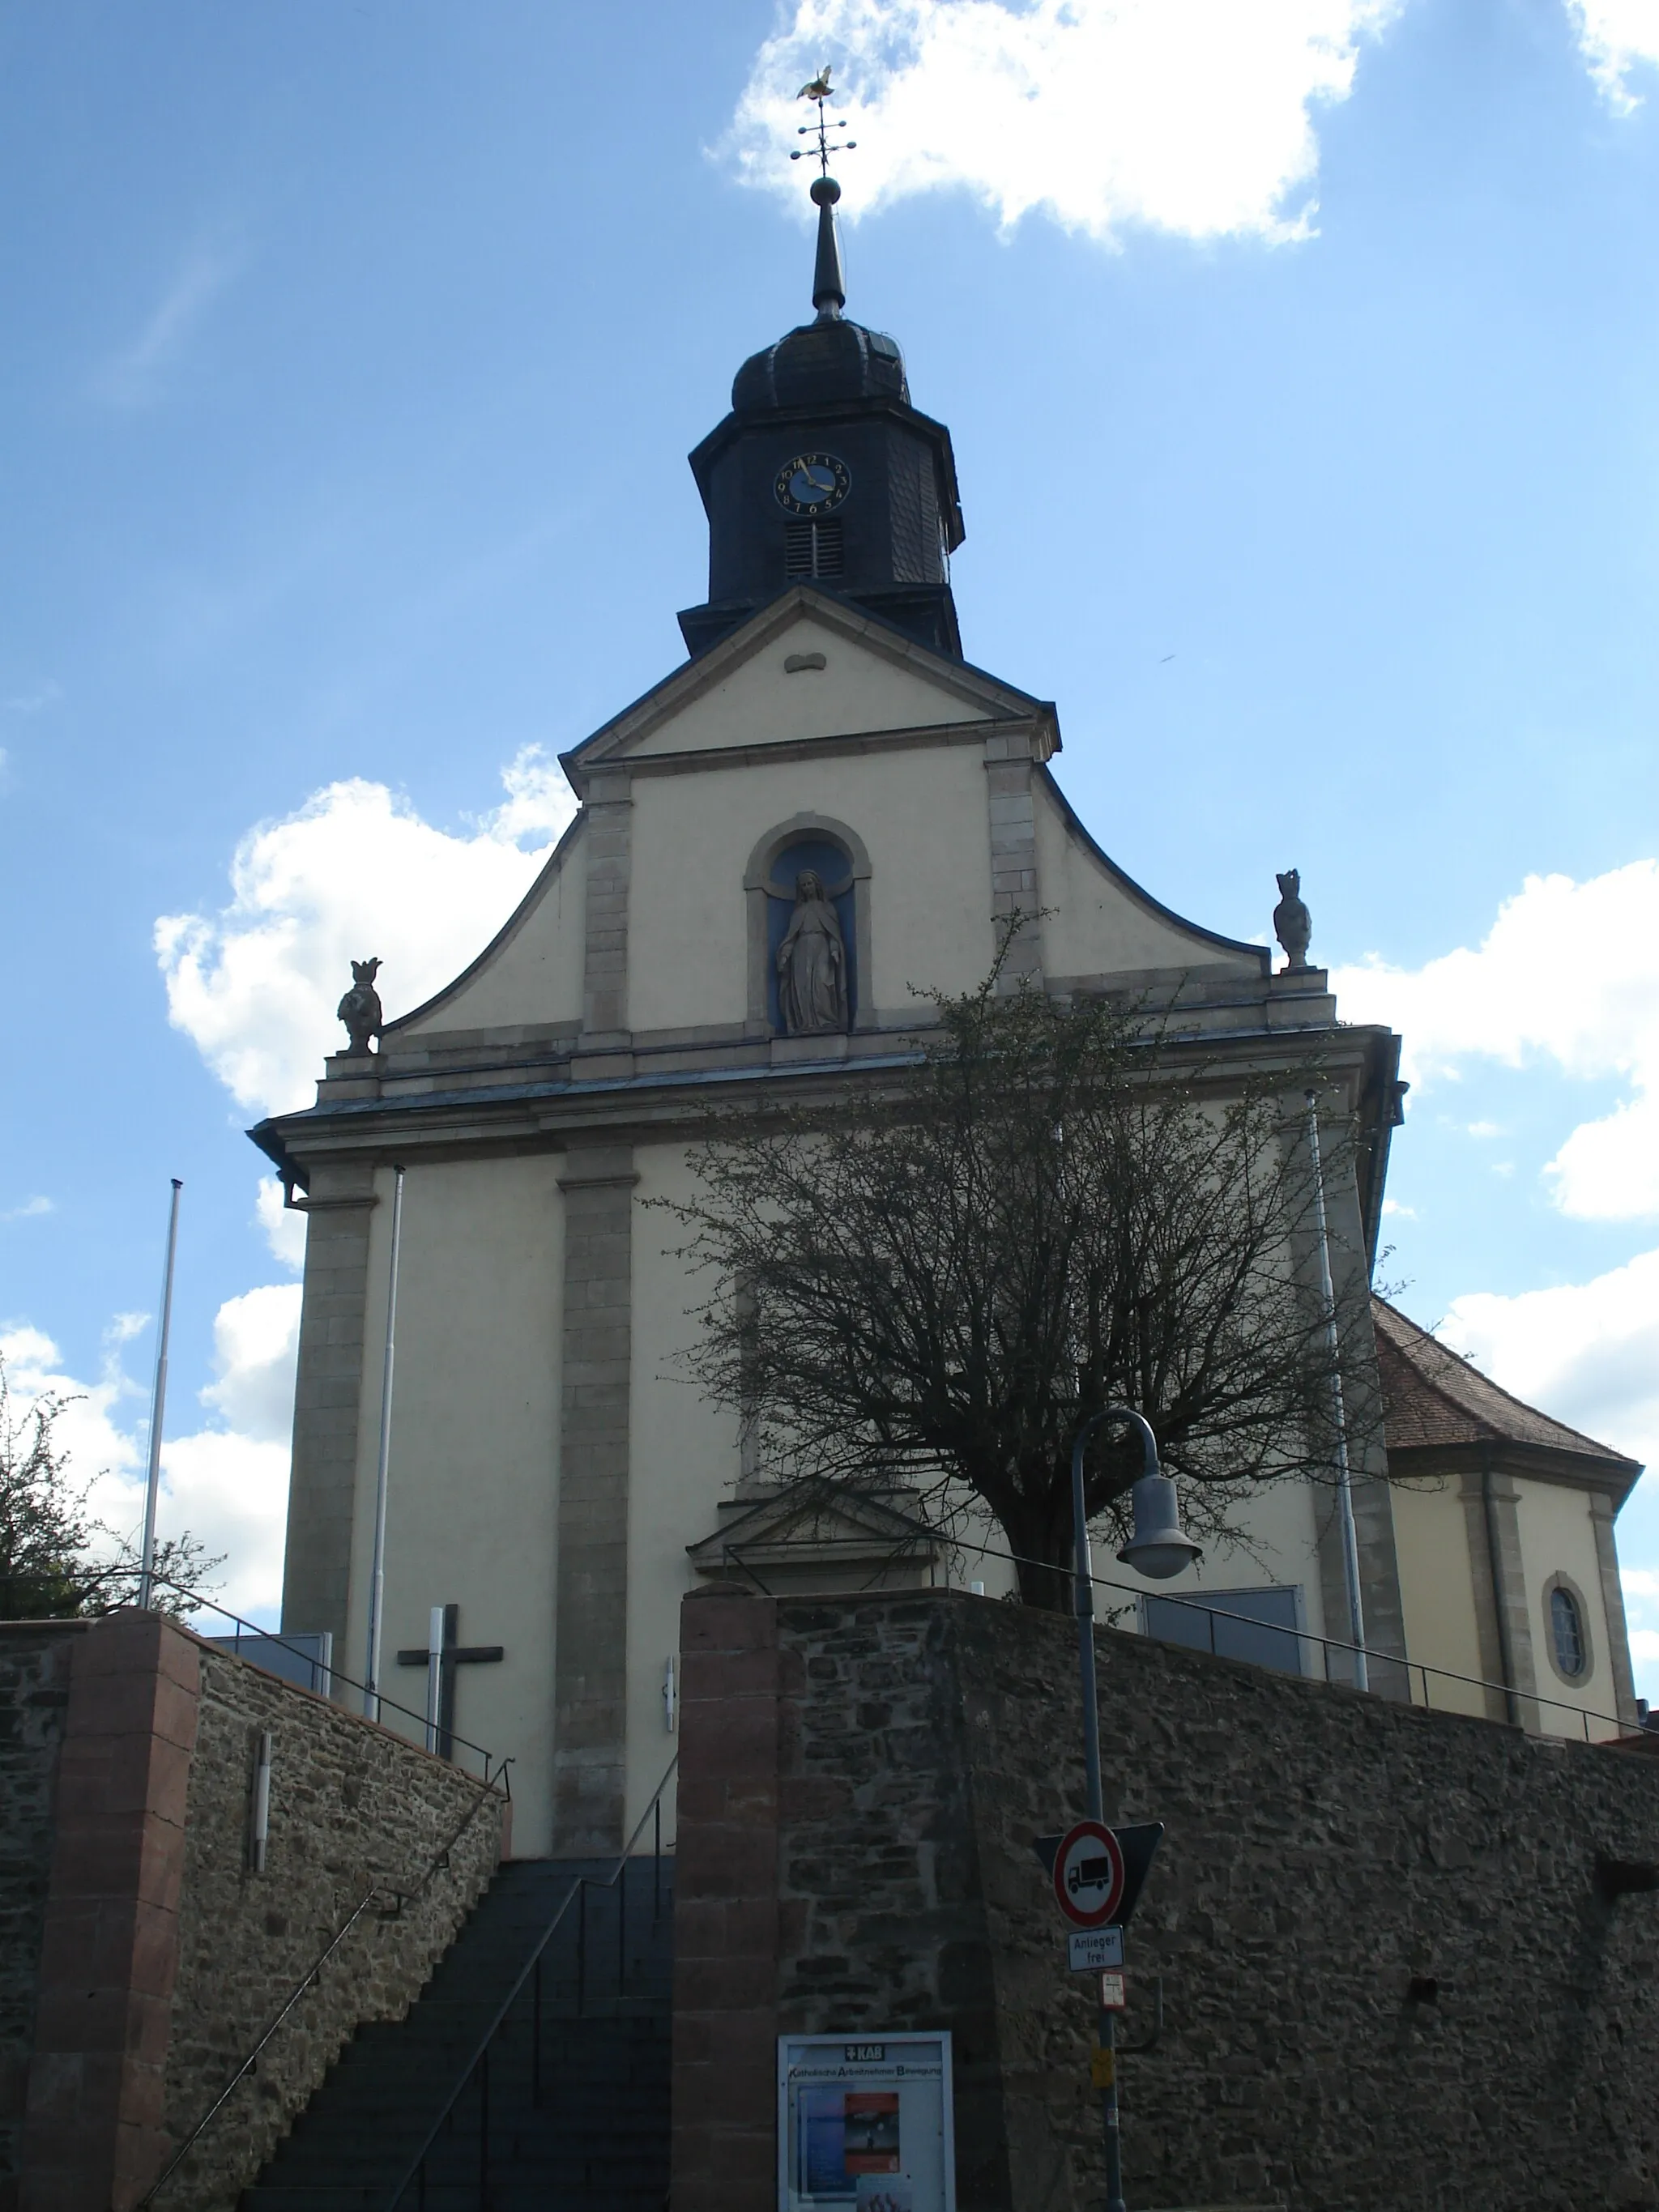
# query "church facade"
(823, 811)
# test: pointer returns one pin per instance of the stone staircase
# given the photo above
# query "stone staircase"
(590, 2136)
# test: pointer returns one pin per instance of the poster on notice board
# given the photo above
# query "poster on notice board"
(864, 2123)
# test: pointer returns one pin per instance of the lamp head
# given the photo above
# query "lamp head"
(1159, 1546)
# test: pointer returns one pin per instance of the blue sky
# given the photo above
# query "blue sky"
(1301, 364)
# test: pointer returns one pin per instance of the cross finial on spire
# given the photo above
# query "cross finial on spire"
(828, 280)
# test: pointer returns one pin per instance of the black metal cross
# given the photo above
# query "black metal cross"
(454, 1654)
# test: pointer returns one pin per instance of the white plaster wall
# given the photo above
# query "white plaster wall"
(535, 974)
(858, 689)
(1437, 1590)
(1277, 1542)
(473, 1503)
(683, 1454)
(920, 812)
(1557, 1537)
(1092, 926)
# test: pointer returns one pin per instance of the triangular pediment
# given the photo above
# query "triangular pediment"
(814, 1523)
(810, 666)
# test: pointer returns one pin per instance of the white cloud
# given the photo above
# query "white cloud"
(30, 1210)
(36, 699)
(284, 1226)
(355, 872)
(1615, 37)
(1190, 116)
(227, 1484)
(137, 374)
(1569, 973)
(1589, 1354)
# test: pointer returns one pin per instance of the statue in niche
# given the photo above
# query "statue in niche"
(812, 964)
(360, 1008)
(1292, 923)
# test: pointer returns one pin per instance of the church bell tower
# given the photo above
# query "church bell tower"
(825, 472)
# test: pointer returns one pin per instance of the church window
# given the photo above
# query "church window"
(1567, 1630)
(813, 549)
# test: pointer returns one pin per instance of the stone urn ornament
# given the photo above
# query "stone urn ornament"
(360, 1008)
(1292, 923)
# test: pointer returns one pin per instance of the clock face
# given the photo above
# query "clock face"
(812, 484)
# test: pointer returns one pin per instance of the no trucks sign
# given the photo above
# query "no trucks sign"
(1088, 1875)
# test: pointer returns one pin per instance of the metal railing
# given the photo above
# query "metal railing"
(486, 1758)
(395, 1899)
(1384, 1666)
(478, 2064)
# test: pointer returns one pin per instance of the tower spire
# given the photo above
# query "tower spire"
(828, 276)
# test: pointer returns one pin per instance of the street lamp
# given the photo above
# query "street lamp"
(1158, 1549)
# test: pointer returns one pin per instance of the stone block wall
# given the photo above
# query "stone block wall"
(861, 1782)
(35, 1670)
(160, 1954)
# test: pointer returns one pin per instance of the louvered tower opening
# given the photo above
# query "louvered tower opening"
(813, 549)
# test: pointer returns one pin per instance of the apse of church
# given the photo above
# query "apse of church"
(824, 810)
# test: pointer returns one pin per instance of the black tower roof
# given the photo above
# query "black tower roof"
(835, 394)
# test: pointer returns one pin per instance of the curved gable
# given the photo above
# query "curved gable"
(530, 974)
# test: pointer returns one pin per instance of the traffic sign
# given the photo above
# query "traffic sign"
(1138, 1846)
(1089, 1950)
(1089, 1875)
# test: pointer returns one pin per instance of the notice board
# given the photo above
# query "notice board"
(864, 2123)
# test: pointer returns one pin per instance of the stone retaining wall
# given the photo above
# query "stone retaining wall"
(861, 1782)
(141, 1970)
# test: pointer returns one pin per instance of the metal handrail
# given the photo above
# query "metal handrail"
(480, 2050)
(399, 1898)
(1627, 1730)
(269, 1636)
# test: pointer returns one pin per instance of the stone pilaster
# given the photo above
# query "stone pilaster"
(591, 1631)
(1612, 1605)
(328, 1393)
(1012, 801)
(604, 987)
(1503, 1624)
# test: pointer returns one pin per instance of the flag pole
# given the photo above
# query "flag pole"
(158, 1407)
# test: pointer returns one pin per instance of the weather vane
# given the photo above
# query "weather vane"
(819, 90)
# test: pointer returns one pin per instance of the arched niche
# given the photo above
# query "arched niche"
(838, 854)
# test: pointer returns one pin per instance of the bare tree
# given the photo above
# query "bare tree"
(932, 1284)
(57, 1562)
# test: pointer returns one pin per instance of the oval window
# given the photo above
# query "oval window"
(1568, 1631)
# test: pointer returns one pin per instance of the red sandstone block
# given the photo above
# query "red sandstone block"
(57, 2091)
(98, 1855)
(154, 1955)
(698, 1923)
(724, 1984)
(729, 1675)
(130, 1772)
(111, 1703)
(90, 2022)
(746, 2043)
(727, 1862)
(751, 1927)
(735, 1738)
(700, 1797)
(126, 1643)
(177, 1711)
(178, 1657)
(710, 1622)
